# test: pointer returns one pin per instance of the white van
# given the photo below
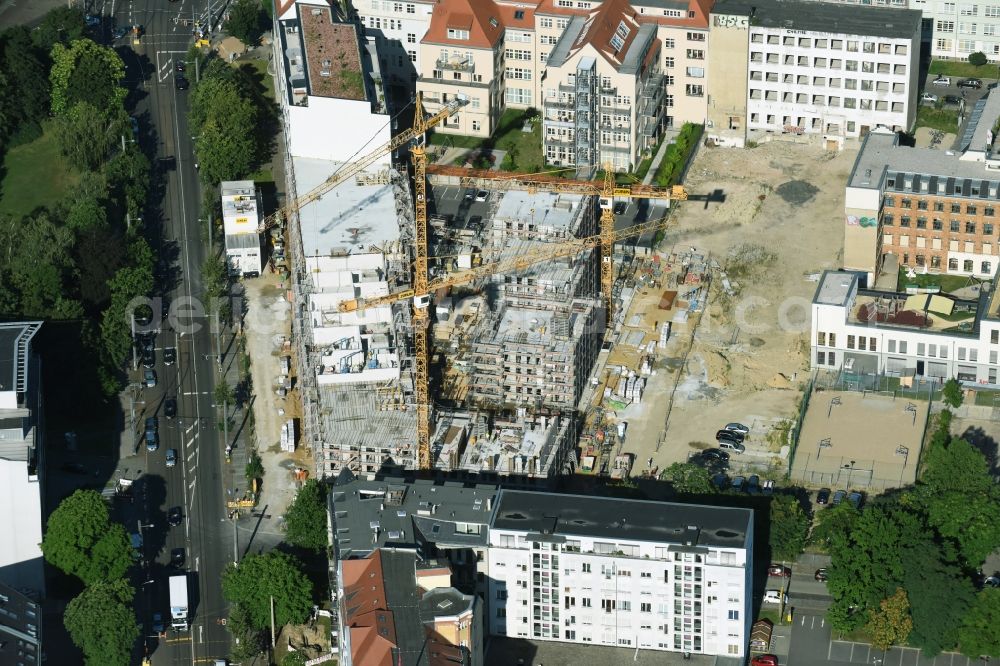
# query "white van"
(731, 446)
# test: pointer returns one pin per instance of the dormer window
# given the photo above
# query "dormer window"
(618, 39)
(455, 33)
(519, 14)
(494, 22)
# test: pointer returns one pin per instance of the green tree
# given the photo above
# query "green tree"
(86, 72)
(128, 174)
(832, 523)
(81, 540)
(940, 595)
(223, 393)
(293, 659)
(961, 500)
(259, 578)
(890, 623)
(977, 59)
(62, 25)
(41, 269)
(247, 21)
(251, 640)
(687, 478)
(254, 468)
(116, 323)
(978, 635)
(26, 73)
(951, 393)
(86, 135)
(866, 565)
(305, 522)
(102, 624)
(225, 121)
(789, 527)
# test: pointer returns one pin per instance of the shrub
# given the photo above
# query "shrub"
(977, 59)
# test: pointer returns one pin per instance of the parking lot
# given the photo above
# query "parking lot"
(522, 652)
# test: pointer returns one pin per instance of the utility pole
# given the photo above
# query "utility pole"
(236, 557)
(272, 623)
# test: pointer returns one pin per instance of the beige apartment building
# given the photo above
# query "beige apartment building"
(604, 91)
(463, 53)
(498, 54)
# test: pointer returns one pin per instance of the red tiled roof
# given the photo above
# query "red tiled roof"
(601, 26)
(509, 17)
(480, 17)
(364, 608)
(701, 8)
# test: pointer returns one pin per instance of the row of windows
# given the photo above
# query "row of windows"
(885, 68)
(559, 23)
(968, 265)
(831, 101)
(868, 85)
(955, 226)
(394, 7)
(830, 44)
(939, 206)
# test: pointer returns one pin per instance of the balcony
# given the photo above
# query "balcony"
(460, 64)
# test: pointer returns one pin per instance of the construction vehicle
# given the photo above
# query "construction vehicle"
(607, 194)
(349, 169)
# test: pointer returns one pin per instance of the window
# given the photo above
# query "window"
(820, 358)
(669, 43)
(411, 38)
(937, 225)
(967, 265)
(668, 62)
(693, 90)
(945, 26)
(411, 9)
(833, 339)
(545, 23)
(585, 568)
(696, 72)
(518, 54)
(985, 267)
(970, 227)
(956, 208)
(871, 344)
(518, 96)
(518, 74)
(695, 54)
(476, 126)
(455, 33)
(696, 36)
(585, 601)
(954, 226)
(970, 209)
(734, 614)
(821, 338)
(645, 608)
(850, 342)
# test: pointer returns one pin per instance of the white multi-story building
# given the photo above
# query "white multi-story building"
(22, 465)
(868, 333)
(397, 27)
(240, 222)
(569, 568)
(622, 573)
(811, 68)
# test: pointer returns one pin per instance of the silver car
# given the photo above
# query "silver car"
(149, 377)
(171, 457)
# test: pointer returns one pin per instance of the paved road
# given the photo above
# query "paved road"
(194, 483)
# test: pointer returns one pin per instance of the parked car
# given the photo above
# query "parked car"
(158, 623)
(764, 660)
(171, 457)
(720, 481)
(730, 445)
(779, 571)
(773, 597)
(175, 516)
(620, 208)
(475, 223)
(823, 496)
(177, 557)
(753, 485)
(731, 435)
(152, 424)
(715, 454)
(180, 67)
(820, 575)
(951, 100)
(134, 122)
(991, 581)
(169, 355)
(929, 98)
(738, 483)
(767, 488)
(855, 498)
(972, 84)
(839, 496)
(149, 378)
(152, 441)
(181, 82)
(943, 81)
(170, 408)
(738, 427)
(482, 195)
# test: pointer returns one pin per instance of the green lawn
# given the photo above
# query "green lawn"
(524, 149)
(947, 283)
(963, 69)
(257, 69)
(35, 174)
(945, 120)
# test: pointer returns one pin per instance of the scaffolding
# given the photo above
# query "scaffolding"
(585, 118)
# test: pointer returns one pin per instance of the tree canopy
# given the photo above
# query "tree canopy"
(978, 635)
(789, 527)
(890, 623)
(80, 539)
(86, 72)
(305, 522)
(258, 578)
(688, 478)
(247, 21)
(101, 622)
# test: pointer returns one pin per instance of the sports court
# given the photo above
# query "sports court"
(859, 440)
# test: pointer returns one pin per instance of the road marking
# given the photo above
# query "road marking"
(165, 67)
(193, 481)
(190, 442)
(191, 427)
(190, 455)
(177, 640)
(201, 633)
(195, 393)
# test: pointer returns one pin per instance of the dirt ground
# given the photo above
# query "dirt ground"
(772, 224)
(268, 326)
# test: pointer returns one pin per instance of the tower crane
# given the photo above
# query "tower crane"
(349, 169)
(606, 192)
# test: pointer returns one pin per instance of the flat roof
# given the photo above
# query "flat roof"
(825, 17)
(623, 519)
(544, 209)
(333, 55)
(835, 287)
(882, 158)
(240, 212)
(349, 217)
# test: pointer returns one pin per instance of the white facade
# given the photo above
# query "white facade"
(398, 28)
(830, 83)
(338, 130)
(240, 222)
(864, 347)
(618, 591)
(961, 28)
